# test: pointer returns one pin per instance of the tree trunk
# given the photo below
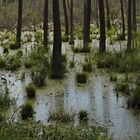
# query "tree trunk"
(129, 39)
(123, 20)
(102, 45)
(87, 18)
(71, 24)
(66, 18)
(97, 12)
(45, 26)
(108, 15)
(57, 42)
(19, 23)
(134, 16)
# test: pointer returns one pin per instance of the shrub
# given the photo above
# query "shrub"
(27, 111)
(83, 116)
(31, 91)
(60, 116)
(134, 99)
(81, 77)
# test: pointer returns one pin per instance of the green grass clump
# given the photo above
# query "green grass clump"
(32, 130)
(81, 78)
(38, 75)
(31, 91)
(60, 116)
(65, 38)
(2, 63)
(123, 87)
(87, 67)
(14, 46)
(14, 62)
(134, 99)
(83, 116)
(72, 64)
(27, 111)
(113, 77)
(5, 100)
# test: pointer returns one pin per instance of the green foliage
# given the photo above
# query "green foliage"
(72, 64)
(31, 91)
(120, 62)
(113, 77)
(81, 49)
(65, 38)
(27, 111)
(87, 67)
(5, 100)
(134, 99)
(38, 36)
(81, 78)
(123, 87)
(2, 63)
(38, 75)
(38, 60)
(14, 46)
(36, 131)
(14, 62)
(83, 116)
(60, 116)
(60, 74)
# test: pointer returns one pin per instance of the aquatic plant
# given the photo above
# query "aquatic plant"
(123, 87)
(81, 77)
(60, 116)
(134, 99)
(31, 91)
(27, 111)
(83, 115)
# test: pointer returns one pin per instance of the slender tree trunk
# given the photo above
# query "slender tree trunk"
(45, 26)
(66, 18)
(123, 19)
(102, 45)
(134, 16)
(97, 12)
(19, 23)
(129, 39)
(134, 21)
(71, 24)
(87, 18)
(108, 15)
(56, 59)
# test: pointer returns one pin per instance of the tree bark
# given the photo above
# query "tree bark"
(57, 42)
(19, 24)
(87, 18)
(102, 45)
(66, 18)
(45, 26)
(123, 19)
(108, 15)
(129, 39)
(71, 24)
